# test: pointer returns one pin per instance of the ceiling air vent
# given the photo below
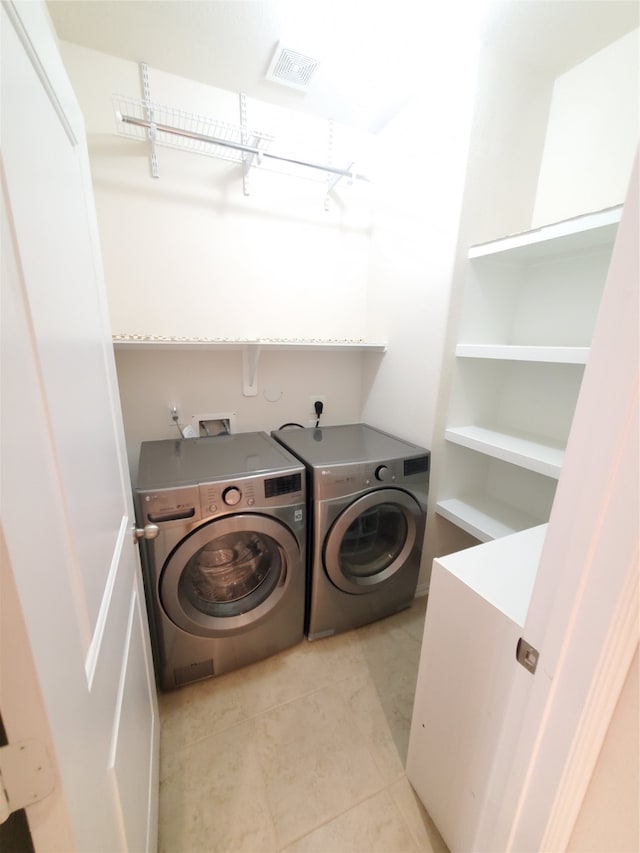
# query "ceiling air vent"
(291, 68)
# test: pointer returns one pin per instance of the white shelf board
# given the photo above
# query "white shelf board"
(485, 517)
(581, 232)
(158, 342)
(503, 572)
(509, 352)
(526, 452)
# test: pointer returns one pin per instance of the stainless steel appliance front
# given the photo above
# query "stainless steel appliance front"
(368, 499)
(225, 577)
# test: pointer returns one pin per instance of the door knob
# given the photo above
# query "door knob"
(149, 531)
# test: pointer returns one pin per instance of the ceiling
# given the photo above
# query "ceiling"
(371, 52)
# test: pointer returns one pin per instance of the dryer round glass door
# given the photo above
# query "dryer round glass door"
(229, 574)
(371, 541)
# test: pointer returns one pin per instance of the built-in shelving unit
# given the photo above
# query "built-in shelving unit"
(530, 307)
(250, 348)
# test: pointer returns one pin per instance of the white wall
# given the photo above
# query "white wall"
(417, 213)
(211, 382)
(188, 254)
(592, 134)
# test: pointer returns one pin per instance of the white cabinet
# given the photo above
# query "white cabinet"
(478, 602)
(530, 306)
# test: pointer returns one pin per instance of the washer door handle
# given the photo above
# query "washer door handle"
(149, 531)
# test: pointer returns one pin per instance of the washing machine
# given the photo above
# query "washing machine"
(368, 501)
(225, 572)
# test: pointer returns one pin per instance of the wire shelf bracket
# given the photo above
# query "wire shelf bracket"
(173, 128)
(248, 158)
(146, 92)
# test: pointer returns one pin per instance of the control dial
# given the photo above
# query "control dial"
(231, 496)
(383, 473)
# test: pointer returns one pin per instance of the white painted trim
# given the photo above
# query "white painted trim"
(121, 682)
(74, 575)
(93, 653)
(38, 67)
(613, 668)
(154, 776)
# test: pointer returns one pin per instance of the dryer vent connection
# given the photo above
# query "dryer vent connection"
(213, 424)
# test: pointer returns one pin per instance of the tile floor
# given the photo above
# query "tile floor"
(302, 752)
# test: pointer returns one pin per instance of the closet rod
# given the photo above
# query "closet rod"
(200, 137)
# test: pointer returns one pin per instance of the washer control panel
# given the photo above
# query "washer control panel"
(251, 491)
(384, 474)
(232, 496)
(221, 497)
(188, 504)
(162, 506)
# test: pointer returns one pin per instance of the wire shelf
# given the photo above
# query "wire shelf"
(189, 130)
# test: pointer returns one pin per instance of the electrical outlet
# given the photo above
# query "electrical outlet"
(312, 402)
(174, 414)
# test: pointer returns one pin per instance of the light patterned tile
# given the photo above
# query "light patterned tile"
(196, 711)
(373, 721)
(307, 667)
(316, 762)
(215, 798)
(374, 826)
(422, 828)
(413, 622)
(256, 758)
(392, 655)
(389, 650)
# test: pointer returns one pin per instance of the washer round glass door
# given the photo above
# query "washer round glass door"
(371, 540)
(228, 574)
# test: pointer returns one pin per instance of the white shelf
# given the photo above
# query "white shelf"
(506, 352)
(250, 348)
(566, 237)
(485, 517)
(524, 451)
(158, 342)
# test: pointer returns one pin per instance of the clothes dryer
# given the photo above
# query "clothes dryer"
(225, 575)
(368, 500)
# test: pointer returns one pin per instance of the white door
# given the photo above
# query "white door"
(66, 504)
